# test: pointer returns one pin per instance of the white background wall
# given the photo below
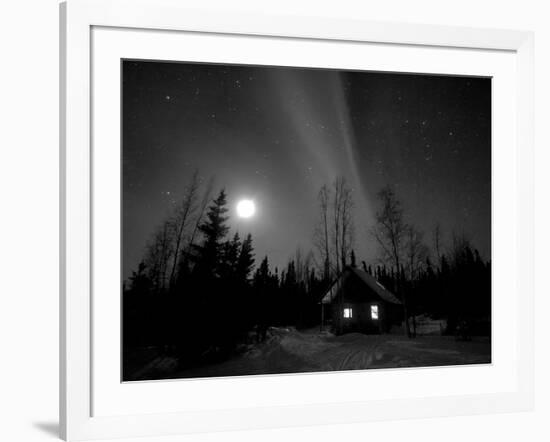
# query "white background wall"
(29, 220)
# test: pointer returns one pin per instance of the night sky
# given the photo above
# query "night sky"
(276, 135)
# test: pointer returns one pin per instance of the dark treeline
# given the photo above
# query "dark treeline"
(199, 292)
(457, 288)
(450, 282)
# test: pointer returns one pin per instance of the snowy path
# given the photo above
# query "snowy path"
(291, 351)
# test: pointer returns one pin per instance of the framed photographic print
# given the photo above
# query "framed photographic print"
(278, 221)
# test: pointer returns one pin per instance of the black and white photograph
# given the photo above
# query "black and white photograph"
(280, 220)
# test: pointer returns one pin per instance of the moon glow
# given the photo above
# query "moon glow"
(246, 208)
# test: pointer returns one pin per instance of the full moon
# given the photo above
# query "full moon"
(246, 208)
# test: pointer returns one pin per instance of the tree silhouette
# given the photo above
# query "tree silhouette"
(214, 307)
(321, 236)
(230, 257)
(159, 252)
(245, 262)
(389, 232)
(140, 283)
(182, 220)
(213, 230)
(342, 227)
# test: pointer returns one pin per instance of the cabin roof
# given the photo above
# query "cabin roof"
(364, 277)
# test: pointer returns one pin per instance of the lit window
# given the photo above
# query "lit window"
(374, 311)
(348, 313)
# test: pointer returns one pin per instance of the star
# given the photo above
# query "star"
(167, 98)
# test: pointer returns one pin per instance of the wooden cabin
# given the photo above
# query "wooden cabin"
(357, 302)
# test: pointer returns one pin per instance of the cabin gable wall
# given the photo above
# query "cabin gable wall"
(357, 299)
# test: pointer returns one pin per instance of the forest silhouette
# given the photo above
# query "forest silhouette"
(200, 293)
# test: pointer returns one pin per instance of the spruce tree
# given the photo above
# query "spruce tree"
(213, 229)
(262, 275)
(230, 258)
(246, 260)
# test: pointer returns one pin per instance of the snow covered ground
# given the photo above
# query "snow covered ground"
(292, 351)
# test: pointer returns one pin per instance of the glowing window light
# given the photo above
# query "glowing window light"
(374, 311)
(348, 313)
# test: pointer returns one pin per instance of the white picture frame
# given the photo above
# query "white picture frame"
(78, 420)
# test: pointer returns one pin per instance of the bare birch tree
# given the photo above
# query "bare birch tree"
(321, 236)
(158, 254)
(342, 230)
(199, 216)
(181, 221)
(416, 253)
(336, 208)
(334, 235)
(302, 265)
(415, 250)
(342, 227)
(389, 232)
(346, 241)
(390, 228)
